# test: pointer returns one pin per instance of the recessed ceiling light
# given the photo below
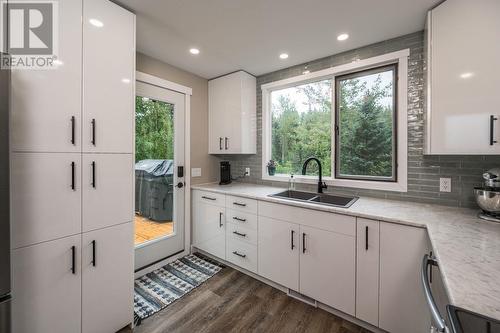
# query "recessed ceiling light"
(125, 80)
(58, 62)
(96, 23)
(342, 37)
(466, 75)
(194, 51)
(284, 56)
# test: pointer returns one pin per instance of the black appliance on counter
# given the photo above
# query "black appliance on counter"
(465, 321)
(225, 173)
(5, 298)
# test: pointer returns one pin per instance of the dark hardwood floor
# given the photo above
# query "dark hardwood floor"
(234, 302)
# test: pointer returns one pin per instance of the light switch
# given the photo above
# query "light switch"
(195, 172)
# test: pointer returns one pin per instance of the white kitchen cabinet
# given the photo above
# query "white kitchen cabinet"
(108, 77)
(46, 291)
(402, 306)
(209, 232)
(107, 182)
(43, 102)
(46, 194)
(107, 254)
(242, 254)
(232, 117)
(327, 268)
(278, 251)
(367, 270)
(463, 78)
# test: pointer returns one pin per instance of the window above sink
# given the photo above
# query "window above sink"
(347, 116)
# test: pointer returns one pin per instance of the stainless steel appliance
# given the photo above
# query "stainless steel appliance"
(438, 322)
(488, 195)
(5, 298)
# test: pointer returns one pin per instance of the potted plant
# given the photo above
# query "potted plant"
(271, 168)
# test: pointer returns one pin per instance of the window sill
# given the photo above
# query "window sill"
(400, 186)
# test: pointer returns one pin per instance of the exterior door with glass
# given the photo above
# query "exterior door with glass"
(159, 173)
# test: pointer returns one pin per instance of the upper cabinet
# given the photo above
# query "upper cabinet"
(463, 59)
(46, 104)
(232, 114)
(108, 77)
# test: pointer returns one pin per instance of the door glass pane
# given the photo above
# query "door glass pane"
(154, 169)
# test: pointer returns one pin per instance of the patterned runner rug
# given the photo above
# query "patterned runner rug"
(156, 290)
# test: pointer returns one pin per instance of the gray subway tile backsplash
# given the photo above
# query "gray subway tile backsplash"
(423, 171)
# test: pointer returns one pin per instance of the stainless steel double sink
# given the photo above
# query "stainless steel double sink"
(317, 198)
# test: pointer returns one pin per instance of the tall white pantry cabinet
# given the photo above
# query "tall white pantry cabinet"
(72, 177)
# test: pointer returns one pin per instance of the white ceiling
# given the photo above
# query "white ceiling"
(250, 34)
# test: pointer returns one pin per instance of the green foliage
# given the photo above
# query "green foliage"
(154, 129)
(365, 124)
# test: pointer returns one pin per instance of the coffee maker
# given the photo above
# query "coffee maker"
(225, 173)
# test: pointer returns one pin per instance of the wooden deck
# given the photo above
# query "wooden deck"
(146, 229)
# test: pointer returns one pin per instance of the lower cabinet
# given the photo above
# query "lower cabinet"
(57, 289)
(107, 278)
(402, 306)
(367, 270)
(278, 247)
(327, 268)
(209, 228)
(46, 287)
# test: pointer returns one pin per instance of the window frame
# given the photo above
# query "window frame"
(398, 57)
(336, 110)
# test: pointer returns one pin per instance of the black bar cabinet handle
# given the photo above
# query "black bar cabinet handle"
(93, 131)
(238, 219)
(226, 145)
(209, 198)
(93, 174)
(220, 143)
(239, 204)
(73, 130)
(239, 254)
(292, 245)
(220, 220)
(492, 130)
(366, 238)
(303, 242)
(239, 234)
(93, 253)
(73, 259)
(73, 187)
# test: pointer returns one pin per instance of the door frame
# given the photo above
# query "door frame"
(187, 92)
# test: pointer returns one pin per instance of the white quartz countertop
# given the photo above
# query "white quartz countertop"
(467, 248)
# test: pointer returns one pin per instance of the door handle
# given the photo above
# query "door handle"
(220, 143)
(303, 242)
(73, 130)
(492, 130)
(436, 316)
(291, 239)
(73, 259)
(220, 220)
(180, 185)
(73, 187)
(226, 143)
(93, 253)
(93, 175)
(93, 132)
(366, 238)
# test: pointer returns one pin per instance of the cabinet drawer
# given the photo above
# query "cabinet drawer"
(242, 254)
(341, 224)
(241, 204)
(240, 218)
(240, 233)
(211, 198)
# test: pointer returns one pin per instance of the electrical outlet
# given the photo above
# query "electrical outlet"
(247, 172)
(445, 184)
